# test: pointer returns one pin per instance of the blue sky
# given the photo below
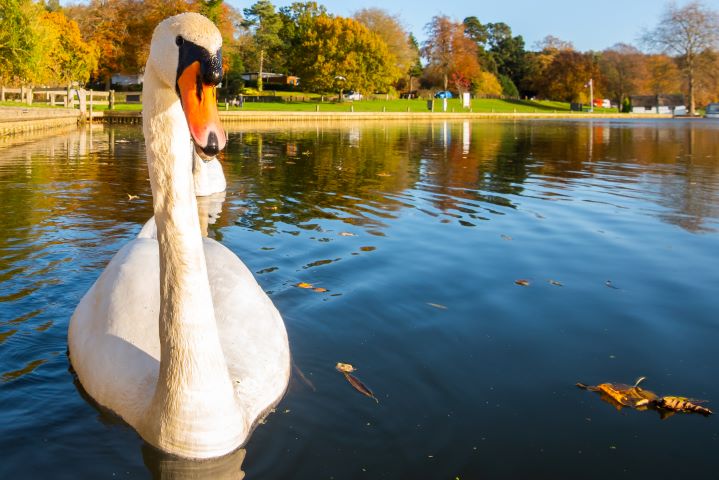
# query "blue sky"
(588, 25)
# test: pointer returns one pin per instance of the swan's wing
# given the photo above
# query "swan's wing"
(252, 333)
(149, 229)
(113, 337)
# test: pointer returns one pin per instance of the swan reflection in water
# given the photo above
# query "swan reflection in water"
(168, 467)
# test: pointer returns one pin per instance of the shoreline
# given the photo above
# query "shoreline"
(14, 120)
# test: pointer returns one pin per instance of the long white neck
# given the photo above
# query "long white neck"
(194, 398)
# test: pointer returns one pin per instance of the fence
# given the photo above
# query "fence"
(69, 97)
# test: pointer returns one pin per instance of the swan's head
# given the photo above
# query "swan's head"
(186, 53)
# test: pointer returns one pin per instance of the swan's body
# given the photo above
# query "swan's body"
(176, 336)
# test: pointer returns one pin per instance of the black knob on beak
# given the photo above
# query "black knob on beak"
(211, 67)
(213, 145)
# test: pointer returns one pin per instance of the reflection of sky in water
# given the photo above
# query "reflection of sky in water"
(417, 232)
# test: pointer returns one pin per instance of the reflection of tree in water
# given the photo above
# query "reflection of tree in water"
(361, 173)
(293, 177)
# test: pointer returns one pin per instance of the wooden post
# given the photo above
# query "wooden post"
(28, 95)
(2, 94)
(90, 114)
(317, 108)
(83, 100)
(352, 108)
(68, 103)
(111, 100)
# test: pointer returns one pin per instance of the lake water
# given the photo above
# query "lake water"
(418, 232)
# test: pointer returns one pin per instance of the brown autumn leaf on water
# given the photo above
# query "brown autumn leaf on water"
(683, 404)
(522, 282)
(360, 387)
(319, 289)
(620, 395)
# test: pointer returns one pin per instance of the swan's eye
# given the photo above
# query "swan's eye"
(179, 40)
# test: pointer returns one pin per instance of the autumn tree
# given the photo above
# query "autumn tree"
(265, 24)
(621, 69)
(37, 46)
(339, 53)
(71, 58)
(450, 54)
(389, 29)
(686, 32)
(566, 76)
(660, 74)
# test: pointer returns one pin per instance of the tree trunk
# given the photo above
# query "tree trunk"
(445, 81)
(259, 75)
(692, 105)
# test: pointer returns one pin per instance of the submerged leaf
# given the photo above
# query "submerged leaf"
(360, 387)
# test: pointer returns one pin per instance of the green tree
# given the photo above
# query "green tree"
(340, 53)
(297, 19)
(265, 24)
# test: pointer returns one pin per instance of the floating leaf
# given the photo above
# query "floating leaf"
(506, 237)
(360, 387)
(319, 289)
(620, 395)
(383, 174)
(609, 284)
(347, 234)
(522, 282)
(131, 197)
(682, 404)
(437, 305)
(344, 367)
(556, 283)
(304, 285)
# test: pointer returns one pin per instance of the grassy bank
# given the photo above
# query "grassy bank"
(376, 105)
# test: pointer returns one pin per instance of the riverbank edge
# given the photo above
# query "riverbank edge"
(22, 120)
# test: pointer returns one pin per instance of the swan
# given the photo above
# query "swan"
(176, 336)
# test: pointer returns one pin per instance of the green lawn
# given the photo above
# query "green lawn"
(396, 105)
(415, 105)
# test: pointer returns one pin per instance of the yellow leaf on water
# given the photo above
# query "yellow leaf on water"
(304, 285)
(344, 367)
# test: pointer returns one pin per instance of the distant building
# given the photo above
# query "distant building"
(126, 79)
(657, 103)
(270, 79)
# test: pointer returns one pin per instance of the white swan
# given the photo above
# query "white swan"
(176, 336)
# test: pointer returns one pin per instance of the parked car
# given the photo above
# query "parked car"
(443, 94)
(352, 95)
(712, 110)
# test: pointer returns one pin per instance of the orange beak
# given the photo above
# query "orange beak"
(199, 102)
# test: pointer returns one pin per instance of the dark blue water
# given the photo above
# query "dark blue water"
(418, 232)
